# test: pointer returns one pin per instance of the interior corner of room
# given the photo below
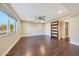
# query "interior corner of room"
(62, 19)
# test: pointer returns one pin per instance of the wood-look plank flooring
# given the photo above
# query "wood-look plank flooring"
(43, 46)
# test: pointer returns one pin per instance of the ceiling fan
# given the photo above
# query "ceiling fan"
(40, 17)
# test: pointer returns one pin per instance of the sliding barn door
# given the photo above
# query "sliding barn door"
(54, 29)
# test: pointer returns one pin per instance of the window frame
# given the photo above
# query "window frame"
(14, 23)
(8, 24)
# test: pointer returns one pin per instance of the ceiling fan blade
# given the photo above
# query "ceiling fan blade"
(36, 17)
(40, 17)
(43, 17)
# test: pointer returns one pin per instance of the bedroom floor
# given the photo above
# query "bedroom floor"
(43, 46)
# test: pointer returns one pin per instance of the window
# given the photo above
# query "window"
(7, 23)
(12, 24)
(3, 23)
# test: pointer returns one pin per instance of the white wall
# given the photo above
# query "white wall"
(47, 29)
(32, 29)
(74, 30)
(7, 42)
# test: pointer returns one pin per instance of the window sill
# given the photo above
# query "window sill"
(4, 35)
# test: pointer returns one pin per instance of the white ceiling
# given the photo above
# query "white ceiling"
(74, 7)
(28, 11)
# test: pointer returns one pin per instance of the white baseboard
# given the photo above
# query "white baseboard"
(32, 35)
(74, 43)
(15, 43)
(11, 47)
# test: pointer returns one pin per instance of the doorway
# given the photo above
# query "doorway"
(60, 30)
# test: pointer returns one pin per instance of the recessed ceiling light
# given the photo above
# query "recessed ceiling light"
(59, 12)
